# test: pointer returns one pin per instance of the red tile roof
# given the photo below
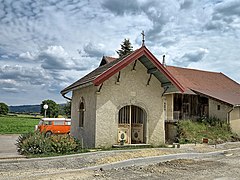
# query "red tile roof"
(213, 84)
(106, 60)
(109, 59)
(102, 73)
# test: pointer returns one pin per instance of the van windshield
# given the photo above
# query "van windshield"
(47, 122)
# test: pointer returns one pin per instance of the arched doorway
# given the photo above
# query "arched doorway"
(131, 125)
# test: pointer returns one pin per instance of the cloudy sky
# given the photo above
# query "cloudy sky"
(46, 45)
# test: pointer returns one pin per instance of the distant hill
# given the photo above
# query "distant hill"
(25, 109)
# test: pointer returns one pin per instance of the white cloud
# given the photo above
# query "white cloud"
(25, 75)
(55, 58)
(92, 50)
(27, 55)
(41, 40)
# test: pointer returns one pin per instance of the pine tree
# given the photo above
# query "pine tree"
(126, 48)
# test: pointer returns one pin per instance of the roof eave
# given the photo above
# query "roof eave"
(129, 59)
(67, 90)
(164, 70)
(214, 98)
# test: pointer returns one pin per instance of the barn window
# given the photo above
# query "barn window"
(218, 107)
(81, 114)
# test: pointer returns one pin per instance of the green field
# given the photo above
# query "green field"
(17, 124)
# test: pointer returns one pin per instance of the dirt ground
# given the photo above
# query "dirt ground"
(223, 166)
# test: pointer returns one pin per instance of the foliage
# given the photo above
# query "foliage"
(126, 48)
(16, 124)
(67, 109)
(193, 132)
(53, 109)
(3, 108)
(37, 143)
(212, 121)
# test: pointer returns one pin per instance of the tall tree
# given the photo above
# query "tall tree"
(53, 108)
(126, 48)
(3, 108)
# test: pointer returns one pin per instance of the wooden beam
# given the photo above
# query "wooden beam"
(152, 70)
(165, 90)
(119, 75)
(149, 79)
(134, 65)
(99, 89)
(166, 84)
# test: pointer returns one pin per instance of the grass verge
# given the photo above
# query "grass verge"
(194, 132)
(17, 124)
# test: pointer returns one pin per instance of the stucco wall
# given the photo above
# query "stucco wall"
(132, 90)
(235, 120)
(87, 132)
(213, 109)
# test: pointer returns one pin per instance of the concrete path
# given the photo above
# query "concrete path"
(8, 149)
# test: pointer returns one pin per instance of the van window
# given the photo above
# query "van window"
(68, 123)
(58, 122)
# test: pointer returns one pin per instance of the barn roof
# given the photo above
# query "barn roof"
(106, 60)
(103, 72)
(212, 84)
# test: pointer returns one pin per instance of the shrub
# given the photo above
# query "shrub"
(212, 121)
(3, 108)
(37, 143)
(64, 144)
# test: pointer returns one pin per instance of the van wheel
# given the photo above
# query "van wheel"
(49, 133)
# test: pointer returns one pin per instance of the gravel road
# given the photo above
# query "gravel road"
(224, 166)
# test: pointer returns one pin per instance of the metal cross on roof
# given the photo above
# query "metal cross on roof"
(143, 36)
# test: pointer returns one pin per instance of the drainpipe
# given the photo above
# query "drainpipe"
(66, 97)
(228, 115)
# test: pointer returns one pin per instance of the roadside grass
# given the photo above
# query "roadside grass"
(194, 132)
(15, 124)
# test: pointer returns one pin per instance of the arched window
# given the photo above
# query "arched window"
(81, 114)
(133, 114)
